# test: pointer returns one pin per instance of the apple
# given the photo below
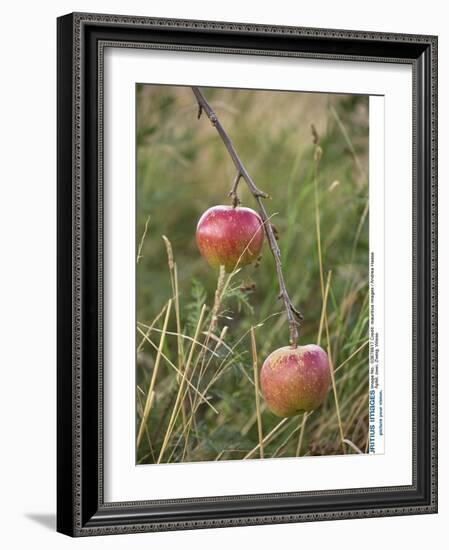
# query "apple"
(294, 380)
(230, 236)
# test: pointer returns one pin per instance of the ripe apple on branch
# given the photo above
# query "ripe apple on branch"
(230, 236)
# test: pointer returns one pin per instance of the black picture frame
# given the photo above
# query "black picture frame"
(81, 509)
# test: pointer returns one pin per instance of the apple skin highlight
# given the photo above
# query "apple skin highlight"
(229, 236)
(295, 380)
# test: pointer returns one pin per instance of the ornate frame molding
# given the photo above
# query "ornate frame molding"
(81, 509)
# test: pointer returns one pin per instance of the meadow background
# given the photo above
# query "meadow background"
(195, 391)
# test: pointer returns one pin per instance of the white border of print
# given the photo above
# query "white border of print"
(123, 480)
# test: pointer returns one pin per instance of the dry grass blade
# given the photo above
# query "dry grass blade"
(250, 423)
(174, 284)
(324, 307)
(301, 434)
(184, 336)
(353, 446)
(267, 438)
(181, 387)
(149, 399)
(334, 387)
(353, 354)
(318, 153)
(256, 392)
(355, 411)
(179, 373)
(219, 292)
(277, 452)
(150, 328)
(168, 247)
(175, 292)
(324, 291)
(219, 340)
(140, 406)
(348, 140)
(142, 240)
(320, 332)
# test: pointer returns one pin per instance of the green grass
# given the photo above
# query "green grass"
(183, 169)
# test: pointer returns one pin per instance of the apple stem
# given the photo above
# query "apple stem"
(233, 192)
(293, 315)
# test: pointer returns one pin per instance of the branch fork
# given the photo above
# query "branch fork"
(293, 315)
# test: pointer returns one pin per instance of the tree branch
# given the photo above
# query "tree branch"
(293, 315)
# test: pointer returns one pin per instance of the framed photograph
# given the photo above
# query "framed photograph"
(247, 274)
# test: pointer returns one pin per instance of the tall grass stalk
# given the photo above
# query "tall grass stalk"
(181, 387)
(302, 428)
(318, 342)
(150, 394)
(256, 391)
(317, 159)
(334, 387)
(175, 293)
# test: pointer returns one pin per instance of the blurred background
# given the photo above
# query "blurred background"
(183, 168)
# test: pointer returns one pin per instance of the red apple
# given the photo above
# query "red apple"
(229, 236)
(294, 380)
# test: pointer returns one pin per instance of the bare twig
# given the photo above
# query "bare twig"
(293, 315)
